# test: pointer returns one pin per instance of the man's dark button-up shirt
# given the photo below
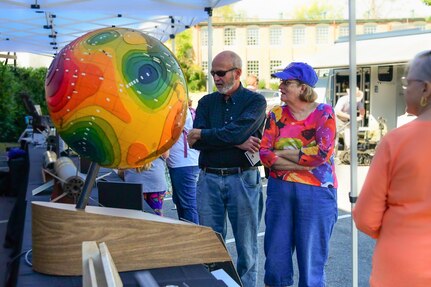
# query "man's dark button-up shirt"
(226, 123)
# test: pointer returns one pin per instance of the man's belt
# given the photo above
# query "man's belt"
(227, 170)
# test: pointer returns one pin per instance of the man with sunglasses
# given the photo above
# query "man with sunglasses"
(228, 125)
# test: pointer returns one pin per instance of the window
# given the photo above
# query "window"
(343, 31)
(252, 36)
(273, 64)
(205, 67)
(322, 34)
(298, 35)
(370, 29)
(420, 26)
(204, 36)
(229, 36)
(385, 73)
(275, 36)
(253, 68)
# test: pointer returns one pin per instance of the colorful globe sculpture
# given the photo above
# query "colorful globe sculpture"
(117, 97)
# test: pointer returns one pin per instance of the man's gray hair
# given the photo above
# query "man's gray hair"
(236, 59)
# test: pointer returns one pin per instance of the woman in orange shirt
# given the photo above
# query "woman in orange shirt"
(394, 205)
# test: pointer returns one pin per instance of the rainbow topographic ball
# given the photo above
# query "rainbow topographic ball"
(117, 97)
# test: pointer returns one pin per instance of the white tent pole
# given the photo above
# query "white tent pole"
(354, 134)
(209, 10)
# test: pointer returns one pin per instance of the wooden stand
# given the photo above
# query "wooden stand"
(98, 267)
(136, 240)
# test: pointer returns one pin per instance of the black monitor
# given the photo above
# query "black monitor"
(120, 195)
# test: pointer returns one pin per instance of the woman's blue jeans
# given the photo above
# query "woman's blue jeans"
(184, 180)
(298, 217)
(239, 196)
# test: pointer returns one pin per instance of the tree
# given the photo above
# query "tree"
(195, 77)
(13, 82)
(376, 9)
(427, 2)
(225, 14)
(317, 10)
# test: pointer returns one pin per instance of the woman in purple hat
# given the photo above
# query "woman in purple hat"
(301, 207)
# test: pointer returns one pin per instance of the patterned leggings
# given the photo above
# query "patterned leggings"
(155, 201)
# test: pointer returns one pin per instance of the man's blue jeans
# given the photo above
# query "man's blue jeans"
(240, 197)
(299, 217)
(184, 180)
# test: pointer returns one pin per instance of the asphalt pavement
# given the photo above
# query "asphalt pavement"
(339, 266)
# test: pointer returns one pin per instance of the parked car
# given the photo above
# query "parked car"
(272, 98)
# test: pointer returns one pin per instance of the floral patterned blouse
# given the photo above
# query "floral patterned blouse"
(314, 137)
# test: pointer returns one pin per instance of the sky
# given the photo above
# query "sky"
(271, 9)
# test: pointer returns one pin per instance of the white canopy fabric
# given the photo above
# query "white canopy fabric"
(46, 26)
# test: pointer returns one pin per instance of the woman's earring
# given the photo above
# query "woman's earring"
(423, 102)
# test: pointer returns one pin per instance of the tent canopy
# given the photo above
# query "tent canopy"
(46, 26)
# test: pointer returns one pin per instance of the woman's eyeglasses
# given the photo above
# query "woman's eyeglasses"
(289, 82)
(221, 73)
(405, 82)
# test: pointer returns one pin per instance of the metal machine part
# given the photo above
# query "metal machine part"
(49, 159)
(71, 180)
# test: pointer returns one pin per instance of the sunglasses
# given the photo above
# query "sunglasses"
(221, 73)
(289, 82)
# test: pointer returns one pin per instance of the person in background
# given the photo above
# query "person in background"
(252, 83)
(342, 111)
(152, 176)
(184, 170)
(228, 124)
(394, 205)
(301, 206)
(191, 109)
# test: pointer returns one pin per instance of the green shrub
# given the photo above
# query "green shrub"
(274, 85)
(13, 82)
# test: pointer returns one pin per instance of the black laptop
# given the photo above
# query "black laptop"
(122, 195)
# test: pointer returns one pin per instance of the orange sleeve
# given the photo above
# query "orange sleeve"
(372, 202)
